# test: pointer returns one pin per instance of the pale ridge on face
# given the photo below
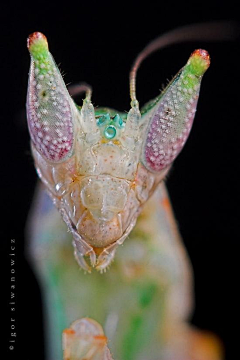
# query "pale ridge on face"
(98, 166)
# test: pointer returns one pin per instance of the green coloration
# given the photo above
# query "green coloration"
(133, 341)
(39, 49)
(137, 233)
(150, 104)
(146, 294)
(58, 317)
(110, 125)
(103, 120)
(135, 291)
(110, 132)
(41, 56)
(136, 335)
(197, 65)
(118, 121)
(99, 111)
(190, 76)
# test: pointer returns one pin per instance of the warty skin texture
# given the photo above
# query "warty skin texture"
(101, 167)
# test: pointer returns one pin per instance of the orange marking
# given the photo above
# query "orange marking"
(166, 204)
(133, 185)
(100, 337)
(97, 250)
(202, 54)
(35, 37)
(69, 331)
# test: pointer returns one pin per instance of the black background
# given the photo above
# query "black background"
(97, 42)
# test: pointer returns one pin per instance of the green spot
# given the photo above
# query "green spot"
(198, 62)
(146, 294)
(141, 326)
(118, 121)
(134, 337)
(110, 132)
(103, 120)
(39, 49)
(112, 112)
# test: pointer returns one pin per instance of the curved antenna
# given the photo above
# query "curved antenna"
(210, 31)
(79, 88)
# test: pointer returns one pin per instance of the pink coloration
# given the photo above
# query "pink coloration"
(49, 111)
(203, 54)
(35, 37)
(170, 126)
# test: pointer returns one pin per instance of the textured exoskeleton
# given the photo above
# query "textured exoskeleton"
(99, 165)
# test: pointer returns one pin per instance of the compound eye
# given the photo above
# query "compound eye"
(49, 105)
(170, 119)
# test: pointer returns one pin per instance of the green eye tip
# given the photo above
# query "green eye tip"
(103, 119)
(199, 62)
(37, 44)
(110, 132)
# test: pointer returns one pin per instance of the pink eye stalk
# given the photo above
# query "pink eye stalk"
(49, 106)
(172, 116)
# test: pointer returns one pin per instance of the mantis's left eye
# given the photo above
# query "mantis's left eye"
(171, 115)
(49, 106)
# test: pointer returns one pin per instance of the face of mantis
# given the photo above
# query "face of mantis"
(100, 166)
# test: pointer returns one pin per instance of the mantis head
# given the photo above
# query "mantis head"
(99, 165)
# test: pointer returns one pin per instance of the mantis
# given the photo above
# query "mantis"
(104, 172)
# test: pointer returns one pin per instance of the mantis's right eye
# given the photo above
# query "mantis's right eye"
(49, 105)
